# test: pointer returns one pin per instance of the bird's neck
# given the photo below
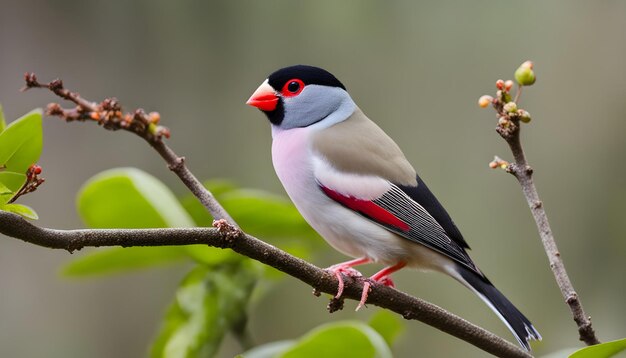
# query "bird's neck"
(344, 111)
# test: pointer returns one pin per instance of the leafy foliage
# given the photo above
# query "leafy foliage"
(3, 122)
(119, 260)
(388, 325)
(260, 214)
(212, 299)
(21, 143)
(23, 210)
(603, 350)
(11, 181)
(329, 340)
(5, 194)
(129, 198)
(209, 302)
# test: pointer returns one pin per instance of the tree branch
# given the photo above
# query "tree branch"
(109, 114)
(227, 236)
(523, 172)
(509, 128)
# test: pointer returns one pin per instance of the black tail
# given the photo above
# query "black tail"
(521, 327)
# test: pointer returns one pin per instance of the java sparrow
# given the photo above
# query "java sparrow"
(354, 186)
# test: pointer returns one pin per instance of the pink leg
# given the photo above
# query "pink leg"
(382, 277)
(347, 269)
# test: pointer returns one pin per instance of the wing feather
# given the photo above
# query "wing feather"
(398, 212)
(424, 228)
(423, 196)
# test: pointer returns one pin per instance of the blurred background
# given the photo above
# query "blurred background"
(416, 68)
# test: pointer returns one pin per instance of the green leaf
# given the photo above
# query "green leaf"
(195, 209)
(211, 256)
(209, 303)
(21, 210)
(11, 180)
(603, 350)
(3, 122)
(120, 259)
(266, 215)
(388, 325)
(202, 253)
(21, 142)
(331, 340)
(127, 198)
(269, 350)
(5, 194)
(261, 214)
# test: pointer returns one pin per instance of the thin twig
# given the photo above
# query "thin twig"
(510, 130)
(109, 114)
(33, 181)
(523, 172)
(518, 94)
(226, 236)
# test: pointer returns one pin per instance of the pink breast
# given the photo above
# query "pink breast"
(290, 155)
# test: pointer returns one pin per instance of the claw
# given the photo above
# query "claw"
(338, 270)
(381, 277)
(346, 269)
(367, 286)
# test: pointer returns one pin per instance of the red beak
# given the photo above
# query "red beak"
(264, 98)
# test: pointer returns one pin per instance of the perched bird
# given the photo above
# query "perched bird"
(354, 186)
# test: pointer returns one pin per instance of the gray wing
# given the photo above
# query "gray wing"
(422, 227)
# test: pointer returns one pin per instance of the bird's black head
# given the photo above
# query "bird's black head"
(309, 75)
(282, 97)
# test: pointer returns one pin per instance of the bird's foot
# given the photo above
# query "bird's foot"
(367, 287)
(383, 277)
(339, 270)
(346, 269)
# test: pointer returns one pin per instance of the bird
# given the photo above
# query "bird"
(354, 186)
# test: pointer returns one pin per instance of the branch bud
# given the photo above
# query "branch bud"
(498, 162)
(524, 75)
(154, 117)
(508, 84)
(504, 122)
(504, 96)
(484, 101)
(523, 115)
(510, 107)
(152, 128)
(500, 84)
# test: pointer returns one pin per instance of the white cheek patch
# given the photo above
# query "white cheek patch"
(364, 187)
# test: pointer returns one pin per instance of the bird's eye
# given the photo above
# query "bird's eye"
(292, 87)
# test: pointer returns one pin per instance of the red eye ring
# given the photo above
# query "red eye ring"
(292, 88)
